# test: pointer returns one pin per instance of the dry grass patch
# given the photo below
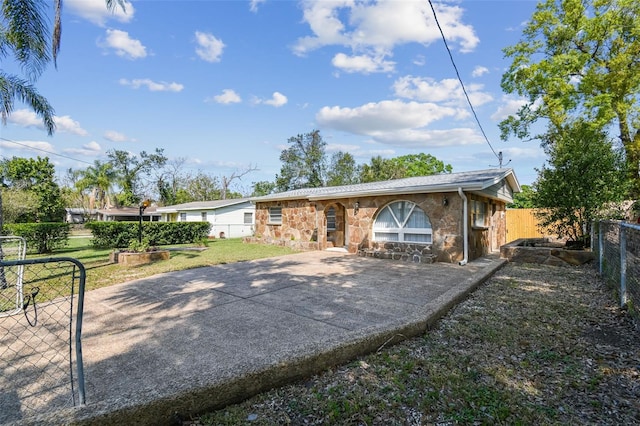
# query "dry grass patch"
(535, 345)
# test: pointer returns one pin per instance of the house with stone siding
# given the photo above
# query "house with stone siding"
(449, 217)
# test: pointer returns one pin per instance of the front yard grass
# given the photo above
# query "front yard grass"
(102, 273)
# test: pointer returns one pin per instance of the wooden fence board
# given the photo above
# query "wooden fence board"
(522, 223)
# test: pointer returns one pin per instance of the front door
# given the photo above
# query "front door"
(334, 219)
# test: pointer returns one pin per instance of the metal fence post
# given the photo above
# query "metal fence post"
(623, 266)
(600, 247)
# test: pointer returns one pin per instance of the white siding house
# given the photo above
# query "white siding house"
(229, 218)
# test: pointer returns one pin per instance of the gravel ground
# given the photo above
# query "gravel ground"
(535, 345)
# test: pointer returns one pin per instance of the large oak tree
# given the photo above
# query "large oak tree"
(579, 59)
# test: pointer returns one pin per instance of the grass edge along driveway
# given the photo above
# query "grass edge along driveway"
(534, 345)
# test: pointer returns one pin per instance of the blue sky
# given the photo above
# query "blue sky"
(222, 85)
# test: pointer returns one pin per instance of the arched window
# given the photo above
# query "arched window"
(402, 221)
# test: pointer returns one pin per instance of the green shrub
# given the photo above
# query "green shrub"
(120, 234)
(41, 237)
(112, 234)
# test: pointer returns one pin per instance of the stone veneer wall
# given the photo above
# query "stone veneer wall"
(298, 229)
(304, 224)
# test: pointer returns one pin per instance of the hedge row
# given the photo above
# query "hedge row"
(120, 234)
(42, 237)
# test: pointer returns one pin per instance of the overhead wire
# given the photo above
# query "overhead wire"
(464, 90)
(44, 150)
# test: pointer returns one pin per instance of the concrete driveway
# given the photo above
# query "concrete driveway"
(186, 342)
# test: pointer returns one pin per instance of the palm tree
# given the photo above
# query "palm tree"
(25, 36)
(100, 179)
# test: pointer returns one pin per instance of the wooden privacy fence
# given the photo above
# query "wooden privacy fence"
(522, 223)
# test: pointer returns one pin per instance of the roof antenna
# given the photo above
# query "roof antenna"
(500, 161)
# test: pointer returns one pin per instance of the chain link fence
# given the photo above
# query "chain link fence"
(617, 248)
(40, 328)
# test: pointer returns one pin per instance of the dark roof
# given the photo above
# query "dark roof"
(202, 205)
(444, 182)
(129, 211)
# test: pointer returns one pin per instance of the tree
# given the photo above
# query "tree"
(171, 183)
(130, 168)
(421, 164)
(379, 169)
(20, 206)
(36, 176)
(584, 174)
(343, 170)
(25, 37)
(304, 163)
(203, 187)
(579, 59)
(227, 180)
(411, 165)
(99, 179)
(262, 187)
(523, 199)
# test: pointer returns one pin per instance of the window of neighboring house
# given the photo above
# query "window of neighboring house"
(275, 215)
(204, 216)
(478, 213)
(248, 218)
(331, 219)
(183, 217)
(402, 221)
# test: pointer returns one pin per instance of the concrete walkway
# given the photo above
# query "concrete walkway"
(161, 348)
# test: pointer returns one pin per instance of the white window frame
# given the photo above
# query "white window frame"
(203, 216)
(478, 214)
(275, 215)
(331, 219)
(183, 217)
(397, 233)
(248, 215)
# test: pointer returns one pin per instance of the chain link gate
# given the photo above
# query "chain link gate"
(41, 304)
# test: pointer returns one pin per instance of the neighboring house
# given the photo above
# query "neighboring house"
(128, 214)
(229, 218)
(80, 215)
(453, 217)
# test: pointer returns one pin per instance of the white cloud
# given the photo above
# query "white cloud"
(373, 118)
(25, 118)
(29, 147)
(509, 106)
(447, 91)
(209, 47)
(124, 45)
(91, 149)
(97, 12)
(228, 96)
(253, 5)
(375, 28)
(362, 63)
(525, 153)
(69, 125)
(398, 123)
(431, 138)
(160, 86)
(277, 100)
(113, 136)
(28, 118)
(479, 71)
(334, 147)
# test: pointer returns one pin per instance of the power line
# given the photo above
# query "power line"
(44, 150)
(462, 84)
